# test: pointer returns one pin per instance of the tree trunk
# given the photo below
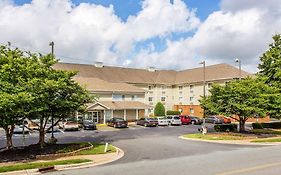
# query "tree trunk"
(9, 134)
(241, 126)
(41, 137)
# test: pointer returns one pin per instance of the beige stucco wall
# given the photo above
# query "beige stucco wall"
(118, 113)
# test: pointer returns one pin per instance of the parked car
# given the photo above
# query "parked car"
(225, 119)
(147, 122)
(117, 123)
(162, 121)
(174, 120)
(70, 125)
(48, 125)
(185, 120)
(19, 130)
(89, 125)
(196, 120)
(214, 120)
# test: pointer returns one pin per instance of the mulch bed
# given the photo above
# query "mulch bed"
(30, 152)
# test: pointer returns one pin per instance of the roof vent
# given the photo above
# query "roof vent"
(151, 69)
(99, 64)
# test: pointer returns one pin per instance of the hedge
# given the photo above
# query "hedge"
(170, 112)
(273, 125)
(225, 127)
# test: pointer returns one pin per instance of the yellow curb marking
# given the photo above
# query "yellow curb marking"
(255, 168)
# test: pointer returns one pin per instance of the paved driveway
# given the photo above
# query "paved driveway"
(158, 150)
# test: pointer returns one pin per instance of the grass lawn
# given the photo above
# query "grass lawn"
(98, 149)
(24, 166)
(267, 140)
(216, 136)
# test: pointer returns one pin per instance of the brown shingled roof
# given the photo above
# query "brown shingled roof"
(143, 76)
(213, 72)
(98, 85)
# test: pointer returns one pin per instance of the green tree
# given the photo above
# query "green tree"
(270, 73)
(159, 109)
(246, 98)
(270, 66)
(14, 98)
(56, 94)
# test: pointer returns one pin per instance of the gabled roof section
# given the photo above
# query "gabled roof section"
(98, 85)
(142, 76)
(213, 72)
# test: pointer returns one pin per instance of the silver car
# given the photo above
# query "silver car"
(174, 120)
(162, 121)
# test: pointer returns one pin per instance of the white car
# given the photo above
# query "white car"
(174, 120)
(162, 121)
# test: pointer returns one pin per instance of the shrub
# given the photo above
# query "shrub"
(225, 127)
(273, 125)
(257, 126)
(264, 131)
(170, 112)
(159, 109)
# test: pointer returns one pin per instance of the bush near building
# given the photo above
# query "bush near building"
(159, 109)
(170, 112)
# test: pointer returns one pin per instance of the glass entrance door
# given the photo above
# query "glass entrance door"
(95, 116)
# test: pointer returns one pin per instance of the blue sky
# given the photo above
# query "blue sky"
(124, 8)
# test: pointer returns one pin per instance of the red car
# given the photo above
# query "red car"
(185, 119)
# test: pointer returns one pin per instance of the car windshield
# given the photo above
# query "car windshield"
(119, 119)
(151, 119)
(177, 118)
(88, 122)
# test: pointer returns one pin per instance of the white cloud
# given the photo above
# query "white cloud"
(89, 31)
(241, 29)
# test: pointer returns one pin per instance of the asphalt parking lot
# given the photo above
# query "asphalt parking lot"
(155, 146)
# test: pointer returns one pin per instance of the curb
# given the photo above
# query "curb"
(230, 143)
(119, 154)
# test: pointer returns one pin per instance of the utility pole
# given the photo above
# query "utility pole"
(52, 44)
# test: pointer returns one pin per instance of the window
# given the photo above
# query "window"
(118, 97)
(180, 92)
(163, 92)
(163, 87)
(191, 87)
(150, 87)
(180, 87)
(134, 97)
(163, 98)
(180, 99)
(191, 98)
(150, 92)
(191, 110)
(209, 85)
(150, 98)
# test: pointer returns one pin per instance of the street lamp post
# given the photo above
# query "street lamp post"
(239, 62)
(52, 44)
(204, 81)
